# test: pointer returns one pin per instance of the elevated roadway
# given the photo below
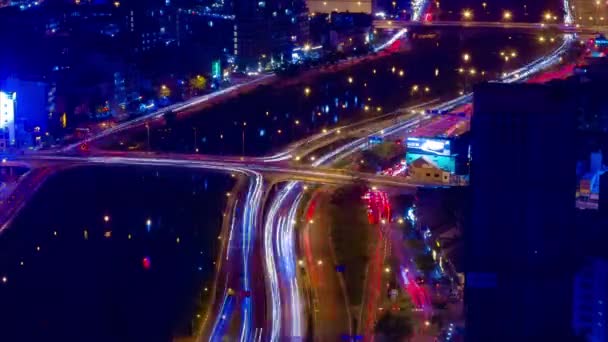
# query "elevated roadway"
(566, 28)
(265, 242)
(304, 173)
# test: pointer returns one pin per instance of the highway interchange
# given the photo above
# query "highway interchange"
(257, 280)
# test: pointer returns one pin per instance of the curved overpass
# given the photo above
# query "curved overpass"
(302, 173)
(566, 28)
(277, 253)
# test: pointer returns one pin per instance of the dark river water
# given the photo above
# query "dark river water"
(111, 254)
(270, 117)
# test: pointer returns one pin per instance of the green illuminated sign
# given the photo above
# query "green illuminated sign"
(216, 69)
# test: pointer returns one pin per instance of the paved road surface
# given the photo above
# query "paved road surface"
(329, 299)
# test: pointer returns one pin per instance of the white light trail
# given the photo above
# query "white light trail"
(220, 321)
(418, 9)
(229, 246)
(568, 16)
(393, 39)
(280, 230)
(245, 327)
(289, 249)
(250, 215)
(270, 266)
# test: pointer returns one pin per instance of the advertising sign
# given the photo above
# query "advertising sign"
(216, 70)
(439, 147)
(7, 115)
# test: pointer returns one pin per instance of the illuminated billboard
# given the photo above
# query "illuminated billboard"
(7, 117)
(375, 139)
(216, 69)
(446, 163)
(438, 147)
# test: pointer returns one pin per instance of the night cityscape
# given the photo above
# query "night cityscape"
(303, 170)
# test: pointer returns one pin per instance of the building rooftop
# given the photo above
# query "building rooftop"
(424, 162)
(453, 124)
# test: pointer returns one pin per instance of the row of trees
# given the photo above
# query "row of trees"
(381, 156)
(351, 235)
(396, 324)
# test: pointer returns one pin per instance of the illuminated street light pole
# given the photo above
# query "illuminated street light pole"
(148, 131)
(466, 58)
(506, 57)
(293, 127)
(243, 139)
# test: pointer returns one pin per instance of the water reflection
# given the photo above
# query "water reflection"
(272, 116)
(111, 254)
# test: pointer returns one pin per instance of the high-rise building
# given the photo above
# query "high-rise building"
(266, 31)
(538, 209)
(329, 6)
(590, 318)
(519, 261)
(143, 23)
(32, 110)
(7, 119)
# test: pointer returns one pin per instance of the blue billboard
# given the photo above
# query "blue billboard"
(374, 139)
(446, 163)
(432, 146)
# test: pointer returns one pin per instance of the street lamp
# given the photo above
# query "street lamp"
(548, 16)
(507, 15)
(148, 132)
(467, 14)
(507, 56)
(165, 91)
(243, 139)
(466, 58)
(195, 142)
